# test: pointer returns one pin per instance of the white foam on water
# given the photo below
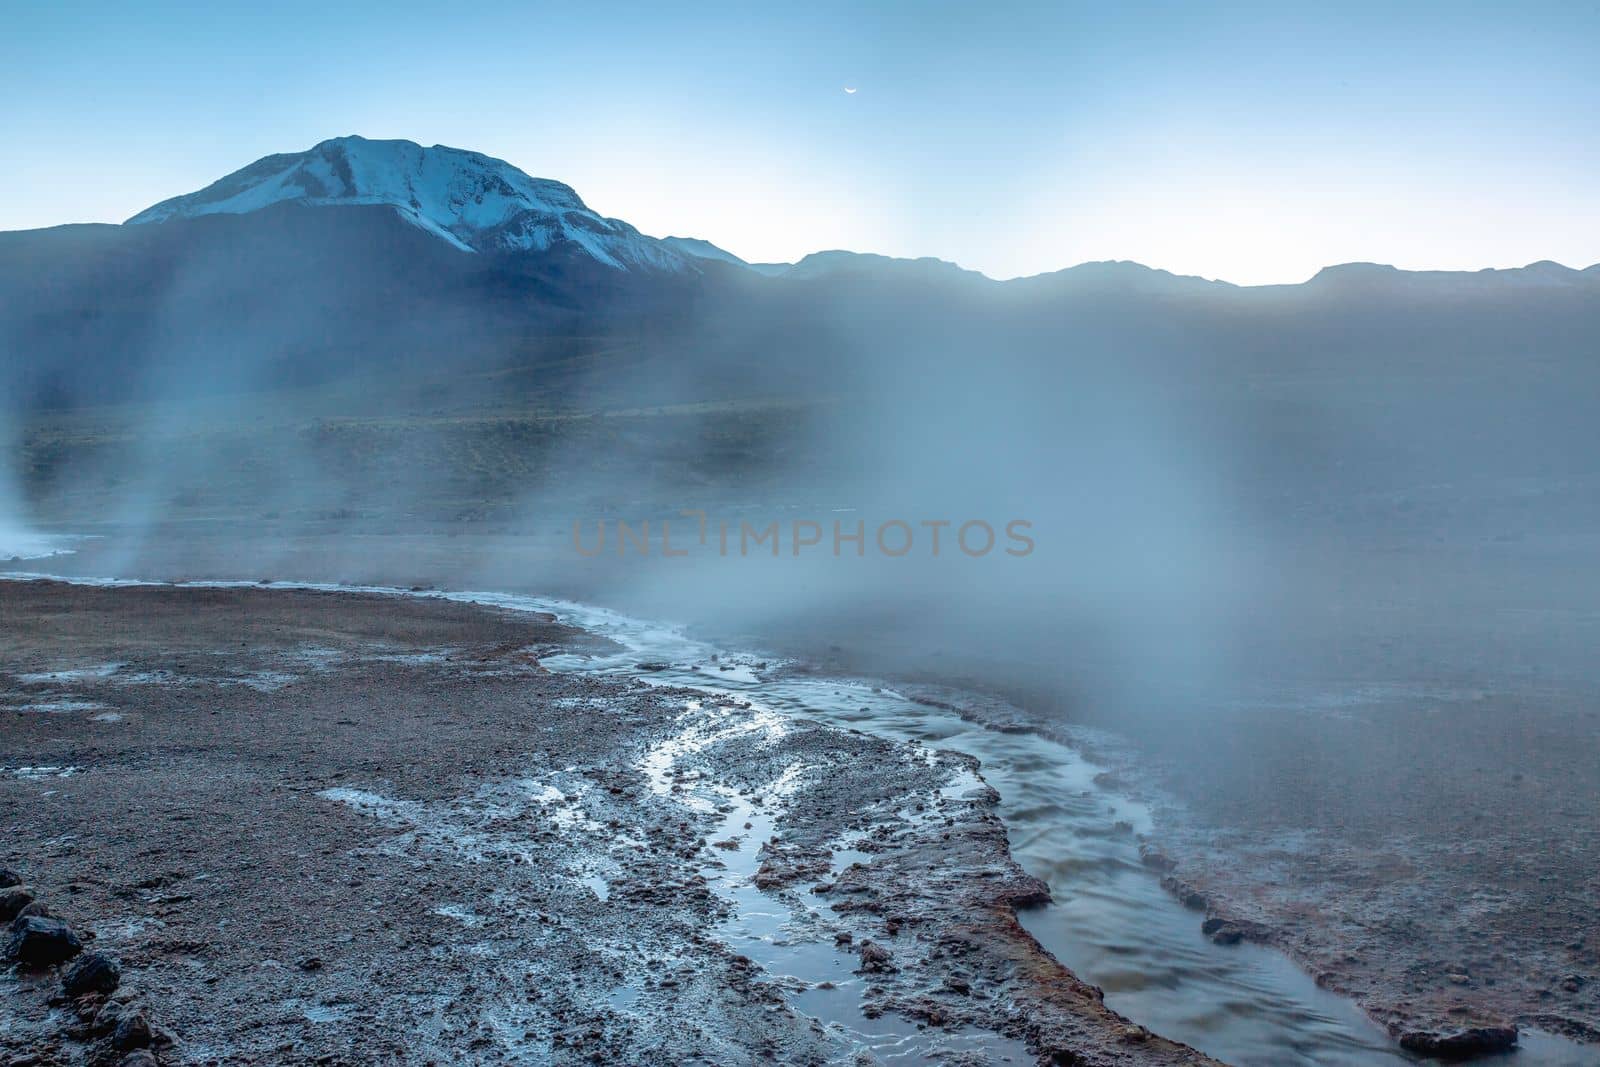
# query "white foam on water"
(61, 707)
(70, 674)
(20, 544)
(44, 771)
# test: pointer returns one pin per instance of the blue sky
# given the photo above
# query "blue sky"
(1254, 143)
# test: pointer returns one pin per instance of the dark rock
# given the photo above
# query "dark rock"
(12, 900)
(875, 958)
(1188, 894)
(1155, 859)
(1460, 1044)
(1226, 934)
(40, 942)
(929, 1011)
(310, 963)
(781, 866)
(109, 1013)
(132, 1031)
(1222, 931)
(1027, 891)
(36, 908)
(92, 973)
(9, 878)
(142, 1057)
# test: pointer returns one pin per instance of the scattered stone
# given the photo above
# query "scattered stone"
(12, 900)
(1460, 1044)
(875, 959)
(40, 942)
(1026, 891)
(142, 1057)
(94, 972)
(1155, 859)
(132, 1032)
(1188, 894)
(310, 963)
(106, 1018)
(782, 866)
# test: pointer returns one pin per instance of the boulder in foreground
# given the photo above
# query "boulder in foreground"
(1460, 1044)
(92, 973)
(40, 942)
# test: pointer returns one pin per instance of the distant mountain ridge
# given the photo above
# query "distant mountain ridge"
(1543, 274)
(378, 266)
(474, 202)
(477, 203)
(1127, 274)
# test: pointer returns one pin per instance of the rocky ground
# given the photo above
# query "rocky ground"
(268, 826)
(1448, 881)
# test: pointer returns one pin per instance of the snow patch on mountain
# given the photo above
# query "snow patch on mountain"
(474, 202)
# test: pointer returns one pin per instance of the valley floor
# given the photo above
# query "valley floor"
(340, 828)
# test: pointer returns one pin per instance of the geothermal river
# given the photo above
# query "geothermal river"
(1111, 923)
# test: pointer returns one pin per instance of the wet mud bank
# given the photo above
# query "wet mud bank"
(319, 826)
(1459, 919)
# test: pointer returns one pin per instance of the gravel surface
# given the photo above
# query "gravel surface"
(297, 827)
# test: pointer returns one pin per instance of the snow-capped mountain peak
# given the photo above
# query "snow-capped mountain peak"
(473, 201)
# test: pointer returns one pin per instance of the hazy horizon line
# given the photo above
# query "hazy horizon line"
(1595, 266)
(1211, 279)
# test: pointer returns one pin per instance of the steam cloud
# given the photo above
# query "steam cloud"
(331, 395)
